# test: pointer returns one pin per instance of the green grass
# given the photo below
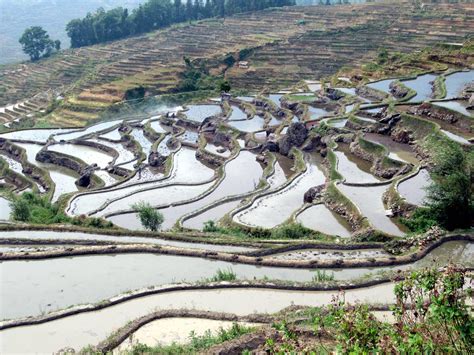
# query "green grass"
(292, 231)
(372, 148)
(224, 275)
(420, 128)
(333, 173)
(198, 343)
(322, 276)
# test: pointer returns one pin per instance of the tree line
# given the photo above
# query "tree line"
(103, 26)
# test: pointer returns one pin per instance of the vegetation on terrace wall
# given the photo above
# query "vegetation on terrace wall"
(36, 209)
(198, 343)
(103, 26)
(431, 317)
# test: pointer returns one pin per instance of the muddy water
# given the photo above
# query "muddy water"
(245, 98)
(107, 178)
(253, 125)
(397, 151)
(5, 209)
(162, 196)
(369, 201)
(459, 106)
(321, 219)
(158, 127)
(275, 98)
(337, 123)
(353, 169)
(112, 135)
(383, 85)
(214, 214)
(90, 328)
(37, 135)
(125, 155)
(274, 209)
(163, 146)
(215, 150)
(189, 136)
(89, 155)
(455, 137)
(146, 145)
(316, 113)
(184, 162)
(414, 190)
(237, 114)
(422, 85)
(63, 178)
(33, 287)
(12, 164)
(199, 113)
(92, 129)
(277, 179)
(62, 236)
(456, 82)
(170, 331)
(242, 176)
(30, 288)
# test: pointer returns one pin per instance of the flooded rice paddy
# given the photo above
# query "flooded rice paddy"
(88, 155)
(321, 219)
(369, 200)
(90, 328)
(199, 113)
(413, 190)
(274, 209)
(353, 169)
(458, 106)
(242, 176)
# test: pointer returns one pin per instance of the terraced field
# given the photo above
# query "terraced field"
(286, 45)
(273, 202)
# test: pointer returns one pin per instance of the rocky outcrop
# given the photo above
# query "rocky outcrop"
(370, 93)
(56, 158)
(437, 113)
(334, 94)
(314, 142)
(156, 160)
(173, 143)
(85, 179)
(209, 159)
(398, 90)
(402, 135)
(316, 192)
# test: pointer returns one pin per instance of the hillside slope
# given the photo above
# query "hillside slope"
(286, 45)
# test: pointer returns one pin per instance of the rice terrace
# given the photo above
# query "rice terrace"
(237, 177)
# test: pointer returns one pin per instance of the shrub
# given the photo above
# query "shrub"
(431, 317)
(291, 231)
(150, 218)
(421, 220)
(449, 198)
(36, 209)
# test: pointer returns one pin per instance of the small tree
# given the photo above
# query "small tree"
(20, 210)
(450, 196)
(150, 218)
(36, 43)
